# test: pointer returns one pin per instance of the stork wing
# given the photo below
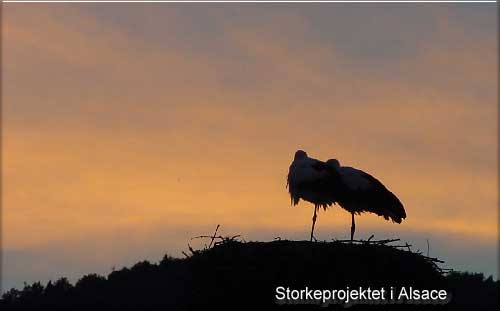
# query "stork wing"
(355, 179)
(371, 195)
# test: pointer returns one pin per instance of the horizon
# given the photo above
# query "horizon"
(129, 129)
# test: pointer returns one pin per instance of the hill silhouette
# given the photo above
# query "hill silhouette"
(235, 275)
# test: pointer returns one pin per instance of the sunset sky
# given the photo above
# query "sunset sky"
(130, 128)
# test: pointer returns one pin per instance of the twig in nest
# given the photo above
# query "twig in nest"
(408, 245)
(386, 241)
(213, 237)
(220, 237)
(402, 246)
(191, 249)
(226, 239)
(349, 241)
(434, 259)
(380, 242)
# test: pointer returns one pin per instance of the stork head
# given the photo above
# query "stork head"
(333, 163)
(299, 155)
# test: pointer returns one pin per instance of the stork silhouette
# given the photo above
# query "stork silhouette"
(326, 183)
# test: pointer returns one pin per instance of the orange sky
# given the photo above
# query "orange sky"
(122, 122)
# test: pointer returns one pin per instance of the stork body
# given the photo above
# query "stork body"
(361, 192)
(313, 181)
(324, 184)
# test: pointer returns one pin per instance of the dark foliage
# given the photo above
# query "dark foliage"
(235, 275)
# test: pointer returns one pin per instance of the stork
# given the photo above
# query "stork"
(313, 181)
(324, 184)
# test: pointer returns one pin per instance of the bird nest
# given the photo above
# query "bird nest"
(396, 243)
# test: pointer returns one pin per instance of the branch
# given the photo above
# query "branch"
(213, 237)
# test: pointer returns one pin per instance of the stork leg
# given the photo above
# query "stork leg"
(353, 227)
(314, 222)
